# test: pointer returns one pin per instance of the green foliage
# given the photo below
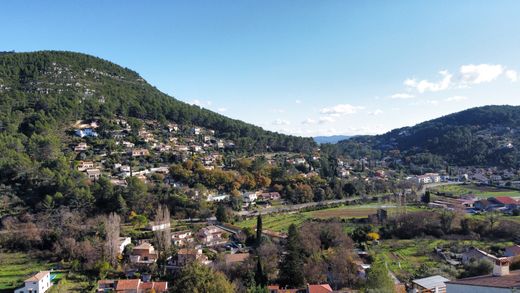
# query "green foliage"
(291, 268)
(378, 278)
(198, 278)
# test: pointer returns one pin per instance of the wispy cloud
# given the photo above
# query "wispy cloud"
(222, 110)
(309, 121)
(326, 119)
(375, 112)
(456, 99)
(281, 122)
(298, 101)
(341, 109)
(512, 75)
(402, 96)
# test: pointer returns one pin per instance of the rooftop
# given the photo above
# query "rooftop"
(512, 280)
(38, 276)
(431, 282)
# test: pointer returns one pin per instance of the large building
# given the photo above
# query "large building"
(500, 281)
(39, 283)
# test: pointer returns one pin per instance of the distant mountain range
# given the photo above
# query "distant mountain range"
(482, 136)
(330, 139)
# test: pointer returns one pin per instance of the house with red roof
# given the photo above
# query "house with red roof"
(504, 201)
(131, 286)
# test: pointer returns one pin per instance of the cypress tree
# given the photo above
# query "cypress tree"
(291, 267)
(258, 230)
(260, 276)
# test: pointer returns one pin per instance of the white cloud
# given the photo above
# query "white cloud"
(512, 75)
(326, 119)
(432, 102)
(341, 109)
(428, 86)
(402, 96)
(376, 112)
(475, 74)
(281, 122)
(456, 99)
(222, 110)
(309, 121)
(298, 101)
(278, 110)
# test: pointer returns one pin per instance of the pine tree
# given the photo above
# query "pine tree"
(291, 267)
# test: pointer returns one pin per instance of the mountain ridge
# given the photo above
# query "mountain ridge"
(74, 85)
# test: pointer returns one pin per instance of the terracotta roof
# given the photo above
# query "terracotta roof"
(38, 276)
(508, 281)
(131, 284)
(323, 288)
(158, 286)
(505, 200)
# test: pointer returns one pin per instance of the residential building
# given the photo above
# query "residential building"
(143, 254)
(270, 196)
(157, 226)
(81, 147)
(217, 197)
(182, 238)
(93, 174)
(211, 236)
(475, 254)
(250, 197)
(131, 286)
(123, 242)
(85, 165)
(433, 284)
(500, 281)
(87, 132)
(187, 256)
(39, 283)
(140, 152)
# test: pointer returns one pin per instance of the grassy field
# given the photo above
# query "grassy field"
(281, 222)
(483, 191)
(16, 267)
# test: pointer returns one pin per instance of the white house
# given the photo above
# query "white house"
(158, 226)
(217, 197)
(123, 242)
(250, 197)
(39, 283)
(93, 174)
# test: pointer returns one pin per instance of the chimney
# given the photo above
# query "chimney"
(501, 267)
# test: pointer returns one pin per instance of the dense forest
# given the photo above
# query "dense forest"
(483, 136)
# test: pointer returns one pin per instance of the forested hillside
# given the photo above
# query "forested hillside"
(483, 136)
(43, 90)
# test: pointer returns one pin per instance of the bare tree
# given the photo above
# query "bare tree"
(112, 230)
(162, 235)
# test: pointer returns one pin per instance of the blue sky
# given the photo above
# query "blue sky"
(299, 67)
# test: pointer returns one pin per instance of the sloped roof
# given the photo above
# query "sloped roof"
(38, 276)
(431, 282)
(323, 288)
(508, 281)
(505, 200)
(131, 284)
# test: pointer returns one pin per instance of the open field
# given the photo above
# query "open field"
(405, 257)
(281, 222)
(483, 191)
(16, 267)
